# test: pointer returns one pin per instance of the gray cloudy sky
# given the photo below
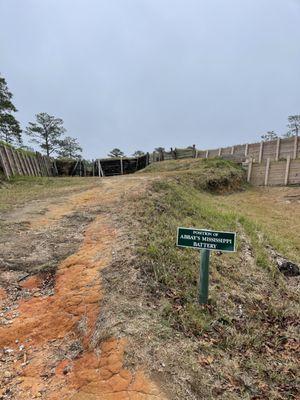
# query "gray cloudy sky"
(138, 74)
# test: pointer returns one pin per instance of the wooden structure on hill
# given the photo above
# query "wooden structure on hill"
(17, 162)
(71, 167)
(120, 165)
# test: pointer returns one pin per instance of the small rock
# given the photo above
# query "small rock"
(7, 374)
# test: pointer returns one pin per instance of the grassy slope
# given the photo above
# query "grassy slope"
(243, 345)
(22, 189)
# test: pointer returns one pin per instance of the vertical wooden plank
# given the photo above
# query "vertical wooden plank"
(4, 162)
(287, 170)
(55, 168)
(220, 152)
(20, 163)
(16, 162)
(31, 165)
(249, 170)
(277, 149)
(32, 172)
(246, 149)
(261, 148)
(197, 154)
(8, 161)
(24, 164)
(295, 147)
(121, 165)
(34, 165)
(37, 164)
(102, 172)
(41, 164)
(267, 171)
(206, 154)
(232, 150)
(47, 166)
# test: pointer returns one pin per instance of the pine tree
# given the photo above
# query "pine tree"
(46, 132)
(69, 148)
(10, 131)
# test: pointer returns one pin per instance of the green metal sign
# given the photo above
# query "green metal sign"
(204, 239)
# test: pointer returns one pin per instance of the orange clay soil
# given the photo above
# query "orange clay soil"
(46, 325)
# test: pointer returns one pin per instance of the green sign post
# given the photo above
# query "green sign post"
(206, 241)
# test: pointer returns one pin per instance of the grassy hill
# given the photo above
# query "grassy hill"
(243, 345)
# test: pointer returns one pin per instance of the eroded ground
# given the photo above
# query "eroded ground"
(52, 252)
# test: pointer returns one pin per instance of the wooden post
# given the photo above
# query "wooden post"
(206, 154)
(33, 165)
(246, 149)
(4, 162)
(232, 149)
(196, 154)
(194, 151)
(102, 172)
(277, 149)
(16, 162)
(9, 162)
(287, 170)
(121, 164)
(267, 171)
(220, 152)
(261, 148)
(295, 147)
(25, 166)
(20, 163)
(55, 167)
(249, 170)
(45, 159)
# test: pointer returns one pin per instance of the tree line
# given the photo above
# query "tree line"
(46, 131)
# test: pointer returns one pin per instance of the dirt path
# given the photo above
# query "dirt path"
(48, 346)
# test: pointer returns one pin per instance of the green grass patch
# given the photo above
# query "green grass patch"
(21, 189)
(251, 319)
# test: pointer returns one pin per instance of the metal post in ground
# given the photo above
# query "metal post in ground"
(204, 276)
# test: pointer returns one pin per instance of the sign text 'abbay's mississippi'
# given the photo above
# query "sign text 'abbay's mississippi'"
(206, 239)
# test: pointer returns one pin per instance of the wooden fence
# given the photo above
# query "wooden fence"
(120, 166)
(174, 154)
(15, 162)
(258, 152)
(274, 173)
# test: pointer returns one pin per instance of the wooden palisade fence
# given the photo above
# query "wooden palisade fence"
(258, 152)
(120, 165)
(15, 162)
(274, 173)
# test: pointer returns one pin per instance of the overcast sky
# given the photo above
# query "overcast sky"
(137, 74)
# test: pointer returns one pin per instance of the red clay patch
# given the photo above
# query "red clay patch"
(47, 327)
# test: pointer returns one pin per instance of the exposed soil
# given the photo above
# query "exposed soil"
(52, 255)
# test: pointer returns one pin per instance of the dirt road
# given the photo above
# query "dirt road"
(52, 253)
